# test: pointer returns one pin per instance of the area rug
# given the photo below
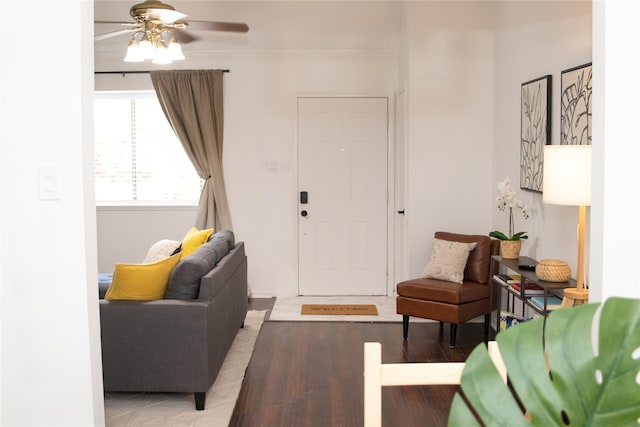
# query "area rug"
(339, 309)
(178, 409)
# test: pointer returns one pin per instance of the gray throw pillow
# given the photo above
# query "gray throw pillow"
(226, 235)
(184, 282)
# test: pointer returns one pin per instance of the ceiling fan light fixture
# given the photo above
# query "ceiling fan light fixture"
(147, 49)
(154, 23)
(175, 50)
(133, 52)
(162, 55)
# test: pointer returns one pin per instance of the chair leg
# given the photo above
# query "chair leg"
(441, 330)
(487, 321)
(452, 339)
(405, 326)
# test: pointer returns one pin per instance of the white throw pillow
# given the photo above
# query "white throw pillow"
(161, 249)
(448, 260)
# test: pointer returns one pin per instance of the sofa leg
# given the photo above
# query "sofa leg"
(487, 321)
(242, 326)
(441, 330)
(452, 339)
(405, 326)
(199, 397)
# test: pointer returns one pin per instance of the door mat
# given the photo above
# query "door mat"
(340, 309)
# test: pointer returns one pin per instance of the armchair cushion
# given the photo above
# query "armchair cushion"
(448, 260)
(441, 291)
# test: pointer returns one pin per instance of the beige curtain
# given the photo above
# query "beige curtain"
(192, 102)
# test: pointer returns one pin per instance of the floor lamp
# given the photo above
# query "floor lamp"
(567, 181)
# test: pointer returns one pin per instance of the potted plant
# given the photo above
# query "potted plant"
(510, 243)
(578, 367)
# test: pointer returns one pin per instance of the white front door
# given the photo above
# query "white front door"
(342, 173)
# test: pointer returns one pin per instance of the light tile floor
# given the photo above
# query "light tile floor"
(288, 309)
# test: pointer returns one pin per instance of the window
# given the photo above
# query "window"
(138, 158)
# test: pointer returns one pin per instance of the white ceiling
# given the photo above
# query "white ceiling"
(275, 26)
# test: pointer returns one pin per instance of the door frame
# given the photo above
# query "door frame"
(400, 180)
(391, 187)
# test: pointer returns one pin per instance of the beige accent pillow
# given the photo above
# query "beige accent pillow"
(448, 260)
(161, 249)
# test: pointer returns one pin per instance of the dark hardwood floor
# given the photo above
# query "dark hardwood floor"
(311, 373)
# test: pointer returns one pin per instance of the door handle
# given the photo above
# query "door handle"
(304, 197)
(401, 212)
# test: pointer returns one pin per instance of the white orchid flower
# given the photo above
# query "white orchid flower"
(507, 199)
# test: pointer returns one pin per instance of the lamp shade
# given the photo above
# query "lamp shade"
(162, 55)
(566, 176)
(133, 52)
(175, 50)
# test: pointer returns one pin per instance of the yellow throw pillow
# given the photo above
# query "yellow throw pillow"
(141, 281)
(194, 239)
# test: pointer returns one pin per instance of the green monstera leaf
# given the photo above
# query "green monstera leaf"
(594, 378)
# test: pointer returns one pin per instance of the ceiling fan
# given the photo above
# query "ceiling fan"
(158, 29)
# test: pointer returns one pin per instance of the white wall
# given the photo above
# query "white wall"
(125, 233)
(261, 128)
(616, 190)
(534, 39)
(449, 78)
(50, 372)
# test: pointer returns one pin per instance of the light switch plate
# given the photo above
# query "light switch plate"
(48, 183)
(272, 166)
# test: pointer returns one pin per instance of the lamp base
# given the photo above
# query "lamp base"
(575, 296)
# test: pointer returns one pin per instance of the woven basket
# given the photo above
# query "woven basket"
(553, 270)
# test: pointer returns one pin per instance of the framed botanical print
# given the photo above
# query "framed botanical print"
(575, 115)
(535, 130)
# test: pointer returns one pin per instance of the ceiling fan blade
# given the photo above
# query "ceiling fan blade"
(183, 36)
(115, 22)
(167, 16)
(234, 27)
(105, 36)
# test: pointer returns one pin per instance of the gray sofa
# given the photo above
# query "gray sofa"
(178, 344)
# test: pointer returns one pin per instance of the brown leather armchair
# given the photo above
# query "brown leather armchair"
(450, 302)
